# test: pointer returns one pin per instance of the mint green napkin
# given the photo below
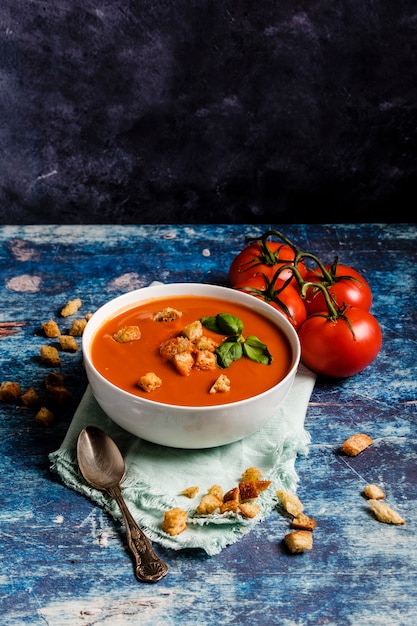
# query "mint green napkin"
(155, 475)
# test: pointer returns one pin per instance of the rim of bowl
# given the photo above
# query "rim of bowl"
(113, 308)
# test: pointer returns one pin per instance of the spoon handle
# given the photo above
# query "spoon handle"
(148, 566)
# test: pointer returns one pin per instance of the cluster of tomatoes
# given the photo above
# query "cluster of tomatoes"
(328, 305)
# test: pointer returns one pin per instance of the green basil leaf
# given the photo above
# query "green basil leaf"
(229, 324)
(228, 352)
(257, 351)
(210, 322)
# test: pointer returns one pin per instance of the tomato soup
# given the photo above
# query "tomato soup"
(123, 363)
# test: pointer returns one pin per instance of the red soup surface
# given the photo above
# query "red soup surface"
(124, 363)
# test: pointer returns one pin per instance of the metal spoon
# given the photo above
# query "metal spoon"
(102, 465)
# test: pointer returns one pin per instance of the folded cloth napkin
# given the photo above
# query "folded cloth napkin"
(156, 475)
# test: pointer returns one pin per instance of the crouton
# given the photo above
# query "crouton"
(373, 492)
(232, 495)
(248, 509)
(299, 541)
(190, 492)
(78, 327)
(247, 491)
(205, 343)
(209, 504)
(385, 513)
(44, 416)
(10, 391)
(251, 474)
(68, 343)
(193, 331)
(221, 385)
(149, 382)
(169, 314)
(230, 506)
(355, 444)
(71, 307)
(54, 379)
(184, 362)
(290, 502)
(50, 356)
(205, 360)
(30, 398)
(216, 490)
(51, 328)
(175, 521)
(304, 522)
(127, 333)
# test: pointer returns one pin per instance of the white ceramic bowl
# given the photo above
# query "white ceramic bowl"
(182, 426)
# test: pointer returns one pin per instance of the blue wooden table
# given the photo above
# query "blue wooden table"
(63, 560)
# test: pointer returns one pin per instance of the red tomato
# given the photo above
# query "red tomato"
(346, 286)
(341, 347)
(263, 258)
(288, 301)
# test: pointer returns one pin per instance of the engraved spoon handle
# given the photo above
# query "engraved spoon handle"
(148, 566)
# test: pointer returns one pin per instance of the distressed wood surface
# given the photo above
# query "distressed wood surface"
(65, 562)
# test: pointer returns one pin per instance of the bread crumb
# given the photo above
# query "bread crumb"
(71, 307)
(373, 492)
(45, 416)
(51, 328)
(127, 333)
(50, 356)
(149, 382)
(299, 541)
(290, 502)
(175, 521)
(68, 343)
(356, 444)
(10, 391)
(385, 513)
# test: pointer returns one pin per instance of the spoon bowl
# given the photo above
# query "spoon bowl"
(102, 465)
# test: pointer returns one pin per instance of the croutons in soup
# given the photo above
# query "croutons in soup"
(164, 350)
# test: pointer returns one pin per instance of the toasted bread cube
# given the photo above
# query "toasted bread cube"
(299, 541)
(230, 506)
(31, 397)
(209, 504)
(216, 490)
(232, 494)
(51, 328)
(373, 492)
(221, 385)
(304, 522)
(385, 513)
(262, 485)
(78, 327)
(61, 394)
(206, 343)
(54, 379)
(247, 491)
(71, 307)
(45, 416)
(193, 331)
(251, 474)
(175, 521)
(169, 314)
(10, 391)
(290, 502)
(169, 348)
(205, 360)
(190, 492)
(149, 382)
(356, 444)
(184, 362)
(68, 343)
(127, 333)
(50, 356)
(248, 509)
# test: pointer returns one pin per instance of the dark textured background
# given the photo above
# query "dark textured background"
(207, 111)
